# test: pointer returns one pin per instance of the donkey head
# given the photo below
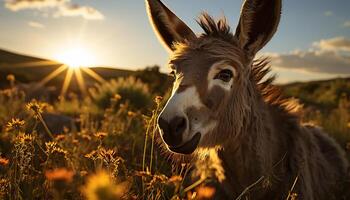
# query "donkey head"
(213, 86)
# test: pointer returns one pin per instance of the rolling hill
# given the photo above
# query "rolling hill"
(32, 69)
(27, 69)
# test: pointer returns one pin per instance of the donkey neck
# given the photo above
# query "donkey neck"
(258, 152)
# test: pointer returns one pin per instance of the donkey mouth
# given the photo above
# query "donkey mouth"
(189, 146)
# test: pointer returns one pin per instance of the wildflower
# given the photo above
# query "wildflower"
(131, 114)
(100, 135)
(75, 141)
(205, 192)
(143, 173)
(175, 179)
(116, 97)
(11, 78)
(4, 161)
(101, 186)
(60, 137)
(15, 124)
(25, 138)
(91, 155)
(161, 178)
(83, 173)
(35, 106)
(158, 99)
(53, 148)
(86, 137)
(60, 174)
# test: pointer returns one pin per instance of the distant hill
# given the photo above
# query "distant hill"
(32, 69)
(323, 94)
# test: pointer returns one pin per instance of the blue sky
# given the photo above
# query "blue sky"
(312, 42)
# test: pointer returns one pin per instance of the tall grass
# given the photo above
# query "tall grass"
(111, 152)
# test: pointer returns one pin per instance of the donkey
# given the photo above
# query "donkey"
(225, 108)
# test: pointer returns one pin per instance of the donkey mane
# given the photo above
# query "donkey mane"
(219, 29)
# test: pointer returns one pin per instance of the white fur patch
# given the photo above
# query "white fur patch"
(177, 105)
(179, 102)
(214, 70)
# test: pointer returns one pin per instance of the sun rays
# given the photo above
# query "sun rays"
(77, 57)
(76, 71)
(71, 72)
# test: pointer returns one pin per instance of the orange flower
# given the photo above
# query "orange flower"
(60, 137)
(131, 114)
(205, 192)
(60, 174)
(175, 179)
(4, 161)
(101, 135)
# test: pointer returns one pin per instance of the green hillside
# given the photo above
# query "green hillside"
(322, 94)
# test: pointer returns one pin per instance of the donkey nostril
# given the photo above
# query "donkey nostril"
(163, 125)
(179, 125)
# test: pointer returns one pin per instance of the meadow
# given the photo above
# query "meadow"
(103, 145)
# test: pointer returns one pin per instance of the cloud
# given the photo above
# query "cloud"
(328, 13)
(35, 24)
(86, 12)
(58, 7)
(334, 44)
(16, 5)
(347, 24)
(330, 56)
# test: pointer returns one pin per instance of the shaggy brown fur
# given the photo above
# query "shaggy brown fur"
(258, 135)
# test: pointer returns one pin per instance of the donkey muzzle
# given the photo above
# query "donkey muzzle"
(172, 134)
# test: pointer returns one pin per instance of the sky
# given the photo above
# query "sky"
(312, 41)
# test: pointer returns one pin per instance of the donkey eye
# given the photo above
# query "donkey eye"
(224, 75)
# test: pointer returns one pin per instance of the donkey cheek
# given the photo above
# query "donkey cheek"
(215, 98)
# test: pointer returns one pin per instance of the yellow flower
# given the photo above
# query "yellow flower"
(100, 135)
(35, 106)
(117, 97)
(53, 147)
(131, 114)
(101, 186)
(10, 78)
(15, 124)
(60, 174)
(25, 138)
(83, 173)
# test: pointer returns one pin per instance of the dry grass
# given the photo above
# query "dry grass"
(108, 153)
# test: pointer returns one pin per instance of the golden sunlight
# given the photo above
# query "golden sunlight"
(76, 57)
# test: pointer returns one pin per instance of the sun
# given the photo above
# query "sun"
(76, 57)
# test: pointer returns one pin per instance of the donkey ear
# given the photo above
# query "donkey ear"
(258, 23)
(167, 25)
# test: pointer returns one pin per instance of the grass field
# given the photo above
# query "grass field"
(103, 145)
